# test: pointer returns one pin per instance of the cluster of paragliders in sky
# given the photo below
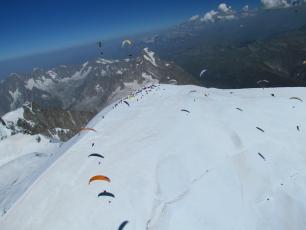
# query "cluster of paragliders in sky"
(126, 44)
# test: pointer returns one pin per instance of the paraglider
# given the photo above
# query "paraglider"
(239, 109)
(126, 103)
(298, 128)
(122, 225)
(185, 110)
(96, 155)
(2, 121)
(100, 47)
(87, 129)
(262, 81)
(126, 42)
(202, 72)
(105, 193)
(296, 98)
(262, 156)
(99, 177)
(260, 129)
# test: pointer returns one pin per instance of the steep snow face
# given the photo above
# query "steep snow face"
(10, 119)
(52, 74)
(149, 56)
(179, 157)
(15, 95)
(105, 61)
(13, 116)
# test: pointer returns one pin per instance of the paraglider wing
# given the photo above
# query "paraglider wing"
(262, 156)
(126, 103)
(260, 129)
(122, 225)
(99, 177)
(202, 72)
(239, 109)
(88, 129)
(2, 121)
(96, 155)
(105, 193)
(262, 81)
(126, 42)
(296, 98)
(185, 110)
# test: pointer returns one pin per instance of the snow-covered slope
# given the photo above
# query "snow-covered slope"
(23, 158)
(236, 160)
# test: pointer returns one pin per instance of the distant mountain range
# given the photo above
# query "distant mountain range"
(240, 50)
(90, 86)
(278, 59)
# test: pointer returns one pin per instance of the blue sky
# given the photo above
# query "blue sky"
(33, 26)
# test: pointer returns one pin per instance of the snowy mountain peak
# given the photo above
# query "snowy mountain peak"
(47, 88)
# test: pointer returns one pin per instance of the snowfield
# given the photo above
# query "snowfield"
(179, 157)
(22, 160)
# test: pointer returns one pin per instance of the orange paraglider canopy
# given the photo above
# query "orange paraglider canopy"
(88, 129)
(99, 177)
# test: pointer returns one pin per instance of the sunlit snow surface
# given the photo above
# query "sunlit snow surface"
(171, 169)
(22, 160)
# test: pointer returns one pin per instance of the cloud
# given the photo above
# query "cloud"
(272, 4)
(227, 17)
(224, 12)
(246, 8)
(224, 8)
(195, 17)
(209, 16)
